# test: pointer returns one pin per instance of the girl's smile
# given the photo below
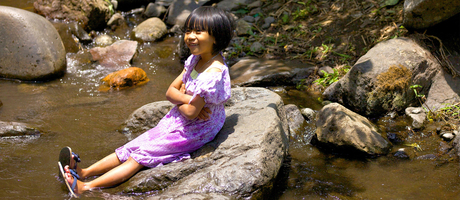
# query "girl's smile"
(199, 42)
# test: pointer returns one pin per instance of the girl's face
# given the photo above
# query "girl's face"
(199, 42)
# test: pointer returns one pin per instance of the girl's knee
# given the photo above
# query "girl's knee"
(133, 162)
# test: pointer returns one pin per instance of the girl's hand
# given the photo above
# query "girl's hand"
(182, 88)
(204, 114)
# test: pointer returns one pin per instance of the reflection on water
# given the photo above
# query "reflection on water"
(71, 111)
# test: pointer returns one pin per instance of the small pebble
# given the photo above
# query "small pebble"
(448, 136)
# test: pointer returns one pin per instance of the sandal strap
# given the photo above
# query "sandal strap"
(74, 173)
(74, 184)
(76, 157)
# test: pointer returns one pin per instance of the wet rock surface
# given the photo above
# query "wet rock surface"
(119, 54)
(31, 47)
(294, 118)
(344, 129)
(241, 162)
(418, 116)
(14, 129)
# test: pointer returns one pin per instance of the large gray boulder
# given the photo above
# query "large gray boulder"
(31, 48)
(150, 30)
(90, 14)
(380, 80)
(421, 14)
(240, 163)
(342, 129)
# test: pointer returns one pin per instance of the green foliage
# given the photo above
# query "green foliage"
(330, 78)
(452, 110)
(110, 7)
(343, 58)
(414, 87)
(390, 2)
(306, 11)
(285, 18)
(326, 50)
(317, 30)
(300, 84)
(242, 11)
(430, 114)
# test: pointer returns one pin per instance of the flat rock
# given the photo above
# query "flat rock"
(263, 72)
(241, 162)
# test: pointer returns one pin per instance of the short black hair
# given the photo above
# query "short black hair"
(217, 22)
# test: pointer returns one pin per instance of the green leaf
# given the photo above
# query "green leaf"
(391, 2)
(242, 11)
(285, 18)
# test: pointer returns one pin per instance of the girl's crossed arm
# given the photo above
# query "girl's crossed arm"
(178, 97)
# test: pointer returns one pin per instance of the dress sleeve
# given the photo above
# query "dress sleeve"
(214, 87)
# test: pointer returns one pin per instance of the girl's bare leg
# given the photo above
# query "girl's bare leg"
(115, 176)
(102, 166)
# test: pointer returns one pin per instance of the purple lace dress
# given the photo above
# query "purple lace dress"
(175, 136)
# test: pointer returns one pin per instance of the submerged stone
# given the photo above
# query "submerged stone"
(13, 129)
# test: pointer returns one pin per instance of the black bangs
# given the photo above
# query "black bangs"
(215, 21)
(197, 22)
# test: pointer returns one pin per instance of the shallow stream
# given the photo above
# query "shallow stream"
(71, 111)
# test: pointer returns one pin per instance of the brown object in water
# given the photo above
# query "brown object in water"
(125, 78)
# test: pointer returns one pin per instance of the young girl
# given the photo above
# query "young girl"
(199, 93)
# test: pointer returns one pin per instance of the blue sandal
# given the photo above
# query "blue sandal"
(74, 184)
(65, 157)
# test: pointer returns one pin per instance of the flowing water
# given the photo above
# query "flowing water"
(71, 111)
